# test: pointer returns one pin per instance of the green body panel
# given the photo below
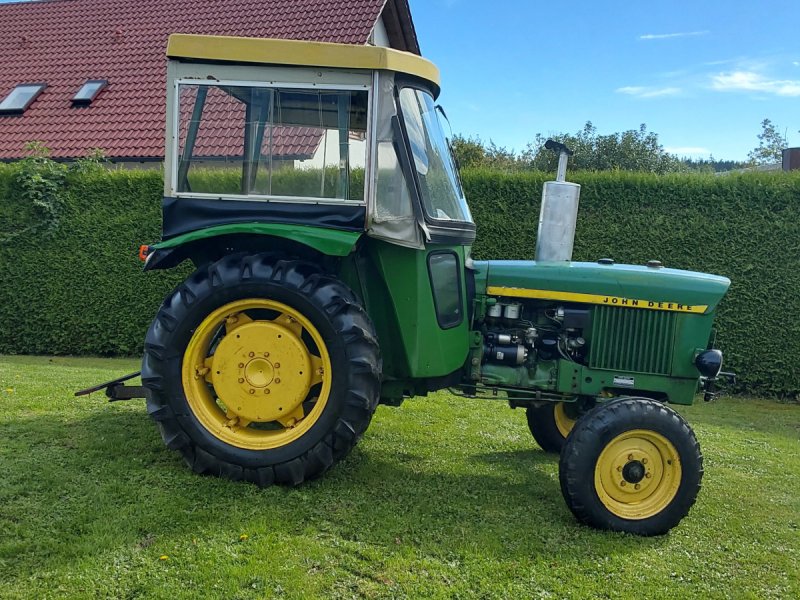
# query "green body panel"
(332, 242)
(396, 289)
(627, 281)
(577, 379)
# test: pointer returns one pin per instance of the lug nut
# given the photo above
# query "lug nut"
(277, 380)
(648, 475)
(619, 469)
(241, 379)
(644, 461)
(637, 486)
(630, 456)
(623, 483)
(252, 391)
(266, 391)
(277, 365)
(266, 354)
(241, 365)
(252, 354)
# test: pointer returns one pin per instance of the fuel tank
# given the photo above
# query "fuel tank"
(603, 282)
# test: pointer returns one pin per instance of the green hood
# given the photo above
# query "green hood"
(657, 288)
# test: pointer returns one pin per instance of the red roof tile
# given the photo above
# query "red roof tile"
(65, 42)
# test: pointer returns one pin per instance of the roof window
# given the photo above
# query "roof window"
(20, 98)
(88, 92)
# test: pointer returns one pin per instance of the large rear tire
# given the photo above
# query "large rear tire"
(631, 465)
(261, 369)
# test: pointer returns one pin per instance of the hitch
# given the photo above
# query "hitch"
(116, 389)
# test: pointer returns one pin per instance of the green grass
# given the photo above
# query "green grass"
(443, 497)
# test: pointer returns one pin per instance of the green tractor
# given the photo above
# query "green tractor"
(314, 190)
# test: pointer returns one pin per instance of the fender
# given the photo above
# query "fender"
(330, 242)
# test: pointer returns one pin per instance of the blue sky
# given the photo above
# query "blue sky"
(702, 74)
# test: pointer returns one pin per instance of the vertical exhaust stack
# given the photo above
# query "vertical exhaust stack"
(559, 214)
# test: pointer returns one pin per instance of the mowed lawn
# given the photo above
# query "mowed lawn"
(443, 497)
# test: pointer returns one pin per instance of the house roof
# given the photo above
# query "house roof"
(63, 43)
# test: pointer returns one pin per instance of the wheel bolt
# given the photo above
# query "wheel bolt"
(241, 379)
(241, 365)
(252, 354)
(266, 391)
(266, 354)
(637, 486)
(630, 456)
(648, 475)
(252, 391)
(619, 468)
(277, 380)
(277, 365)
(644, 461)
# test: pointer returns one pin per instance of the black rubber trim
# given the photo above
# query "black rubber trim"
(182, 215)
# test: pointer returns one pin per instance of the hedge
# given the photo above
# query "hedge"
(80, 289)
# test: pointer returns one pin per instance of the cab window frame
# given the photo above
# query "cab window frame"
(275, 85)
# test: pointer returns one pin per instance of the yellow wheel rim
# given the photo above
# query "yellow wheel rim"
(564, 422)
(256, 374)
(637, 474)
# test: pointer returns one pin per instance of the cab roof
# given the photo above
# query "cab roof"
(299, 53)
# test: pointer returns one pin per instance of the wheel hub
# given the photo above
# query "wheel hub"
(633, 472)
(262, 371)
(259, 372)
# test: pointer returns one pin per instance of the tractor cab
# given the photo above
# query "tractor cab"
(344, 138)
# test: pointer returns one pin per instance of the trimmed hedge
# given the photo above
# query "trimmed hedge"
(82, 290)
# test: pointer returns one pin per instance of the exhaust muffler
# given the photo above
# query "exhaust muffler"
(559, 214)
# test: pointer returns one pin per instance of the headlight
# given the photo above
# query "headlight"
(709, 363)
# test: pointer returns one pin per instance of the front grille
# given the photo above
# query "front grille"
(631, 339)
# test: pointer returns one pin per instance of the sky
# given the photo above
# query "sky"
(702, 74)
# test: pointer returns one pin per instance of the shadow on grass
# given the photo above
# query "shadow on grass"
(102, 481)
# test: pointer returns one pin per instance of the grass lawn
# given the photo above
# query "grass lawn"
(443, 497)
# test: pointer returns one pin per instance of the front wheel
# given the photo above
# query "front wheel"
(551, 423)
(261, 369)
(631, 465)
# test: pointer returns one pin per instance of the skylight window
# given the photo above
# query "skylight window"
(20, 98)
(88, 92)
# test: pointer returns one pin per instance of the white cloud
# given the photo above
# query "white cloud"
(688, 150)
(751, 81)
(648, 92)
(796, 63)
(668, 36)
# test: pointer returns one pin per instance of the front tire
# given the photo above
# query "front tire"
(261, 369)
(550, 424)
(631, 465)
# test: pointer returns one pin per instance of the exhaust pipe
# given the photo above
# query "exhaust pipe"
(559, 213)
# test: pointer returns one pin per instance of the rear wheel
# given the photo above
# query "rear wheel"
(631, 465)
(261, 369)
(551, 423)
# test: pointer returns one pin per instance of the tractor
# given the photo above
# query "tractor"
(314, 190)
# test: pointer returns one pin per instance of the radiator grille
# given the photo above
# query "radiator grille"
(630, 339)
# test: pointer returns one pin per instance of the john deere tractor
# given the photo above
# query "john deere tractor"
(313, 188)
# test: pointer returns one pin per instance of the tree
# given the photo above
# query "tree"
(631, 150)
(771, 143)
(472, 152)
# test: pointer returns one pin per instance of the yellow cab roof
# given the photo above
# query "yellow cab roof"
(300, 54)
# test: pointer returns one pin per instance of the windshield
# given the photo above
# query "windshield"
(442, 197)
